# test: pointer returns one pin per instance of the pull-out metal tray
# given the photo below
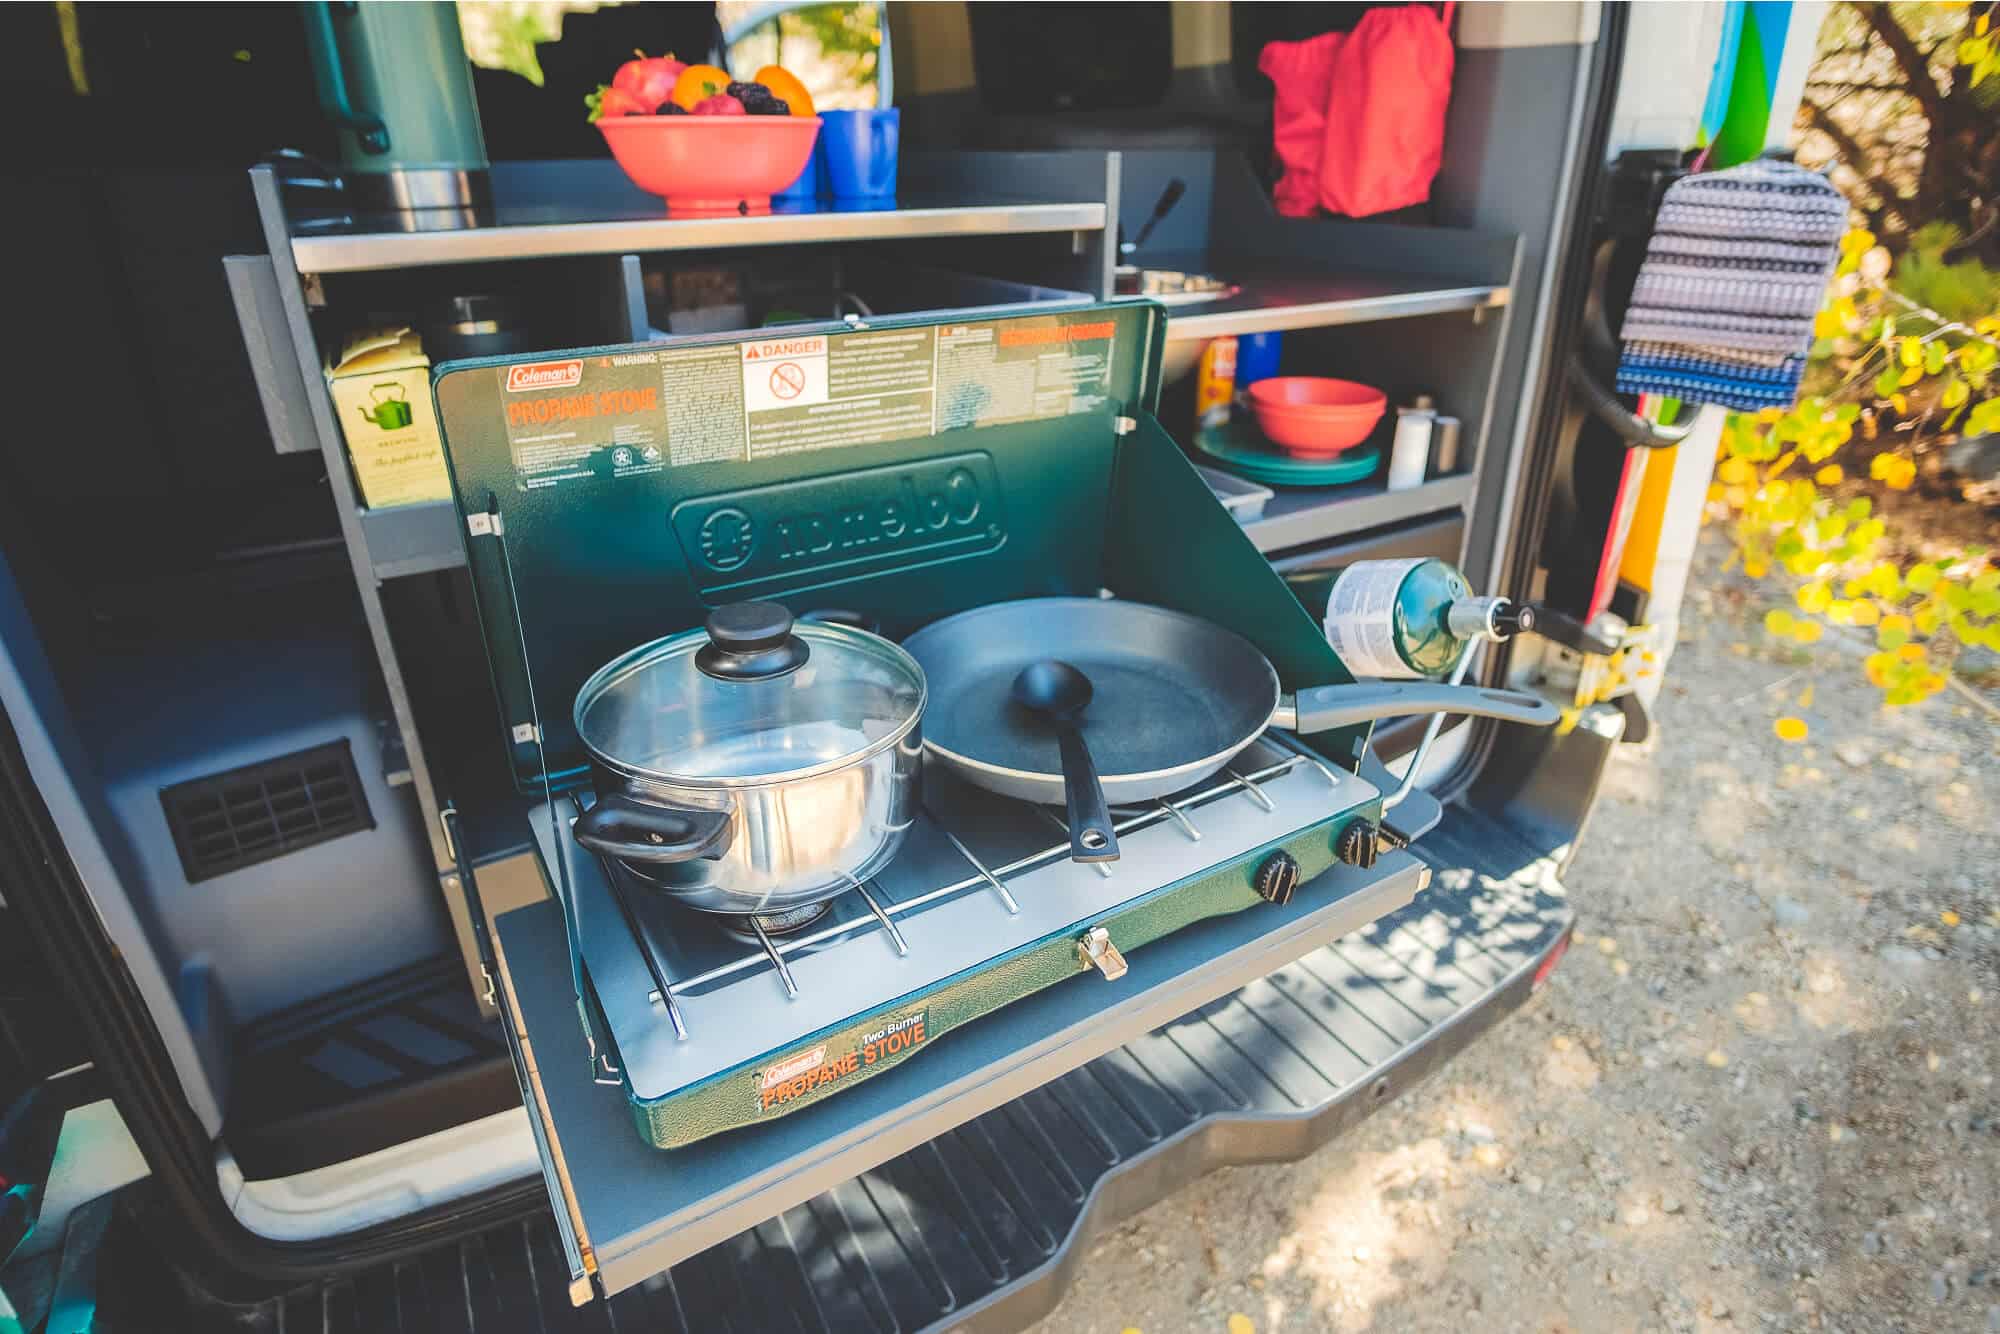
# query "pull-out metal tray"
(629, 1211)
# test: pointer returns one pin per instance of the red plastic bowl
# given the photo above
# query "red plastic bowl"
(712, 164)
(1314, 415)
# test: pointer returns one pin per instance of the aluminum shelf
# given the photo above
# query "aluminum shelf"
(1297, 515)
(412, 539)
(628, 222)
(1305, 300)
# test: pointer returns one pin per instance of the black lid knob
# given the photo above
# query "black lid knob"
(751, 641)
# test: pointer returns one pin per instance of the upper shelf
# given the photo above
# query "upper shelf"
(1271, 302)
(587, 207)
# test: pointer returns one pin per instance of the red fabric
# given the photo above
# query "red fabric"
(1302, 72)
(1358, 122)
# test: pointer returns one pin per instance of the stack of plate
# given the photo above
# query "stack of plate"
(1241, 448)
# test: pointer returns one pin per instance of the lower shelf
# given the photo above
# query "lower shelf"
(1298, 515)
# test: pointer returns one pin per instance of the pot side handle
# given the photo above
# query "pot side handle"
(1323, 708)
(649, 833)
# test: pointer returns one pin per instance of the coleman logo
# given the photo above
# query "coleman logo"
(797, 1065)
(806, 1074)
(544, 375)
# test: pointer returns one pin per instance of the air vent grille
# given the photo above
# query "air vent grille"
(231, 820)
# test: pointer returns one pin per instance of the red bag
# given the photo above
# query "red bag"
(1302, 72)
(1385, 111)
(1371, 102)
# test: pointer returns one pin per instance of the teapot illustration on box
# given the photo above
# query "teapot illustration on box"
(391, 413)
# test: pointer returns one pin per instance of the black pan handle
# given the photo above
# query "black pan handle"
(650, 833)
(1091, 836)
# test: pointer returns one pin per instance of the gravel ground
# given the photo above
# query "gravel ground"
(1757, 1095)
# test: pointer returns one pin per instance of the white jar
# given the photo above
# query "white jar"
(1410, 452)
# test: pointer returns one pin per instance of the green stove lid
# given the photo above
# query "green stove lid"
(898, 469)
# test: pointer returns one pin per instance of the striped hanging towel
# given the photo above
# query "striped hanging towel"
(1723, 308)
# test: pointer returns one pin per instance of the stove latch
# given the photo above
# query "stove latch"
(1095, 950)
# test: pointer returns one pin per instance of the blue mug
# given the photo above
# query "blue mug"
(861, 151)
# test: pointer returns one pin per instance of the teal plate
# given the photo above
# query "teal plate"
(1240, 447)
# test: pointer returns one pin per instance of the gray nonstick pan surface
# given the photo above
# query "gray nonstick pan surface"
(1176, 697)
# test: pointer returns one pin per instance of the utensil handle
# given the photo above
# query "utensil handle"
(1091, 837)
(650, 833)
(1323, 708)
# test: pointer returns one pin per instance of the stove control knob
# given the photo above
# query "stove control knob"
(1359, 845)
(1277, 878)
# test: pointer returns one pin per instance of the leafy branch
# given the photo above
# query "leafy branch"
(1920, 374)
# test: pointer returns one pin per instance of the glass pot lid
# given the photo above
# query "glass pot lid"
(750, 698)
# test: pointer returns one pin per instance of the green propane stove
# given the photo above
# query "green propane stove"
(903, 471)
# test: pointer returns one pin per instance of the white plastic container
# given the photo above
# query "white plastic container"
(1410, 451)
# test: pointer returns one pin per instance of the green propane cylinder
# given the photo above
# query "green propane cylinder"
(1398, 618)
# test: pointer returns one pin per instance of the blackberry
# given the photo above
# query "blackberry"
(671, 109)
(758, 100)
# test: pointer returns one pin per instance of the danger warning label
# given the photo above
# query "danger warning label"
(784, 373)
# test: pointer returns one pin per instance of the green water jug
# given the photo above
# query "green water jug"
(395, 81)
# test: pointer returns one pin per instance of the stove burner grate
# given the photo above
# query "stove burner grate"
(779, 936)
(747, 927)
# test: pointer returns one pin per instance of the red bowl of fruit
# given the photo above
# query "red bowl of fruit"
(1316, 415)
(712, 164)
(702, 141)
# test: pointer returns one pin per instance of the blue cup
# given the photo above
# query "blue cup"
(861, 151)
(811, 183)
(1256, 357)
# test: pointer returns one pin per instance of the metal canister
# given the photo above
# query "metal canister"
(395, 82)
(1391, 619)
(1444, 446)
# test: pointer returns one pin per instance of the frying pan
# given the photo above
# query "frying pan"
(1176, 697)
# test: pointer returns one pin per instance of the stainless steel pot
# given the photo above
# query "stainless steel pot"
(755, 765)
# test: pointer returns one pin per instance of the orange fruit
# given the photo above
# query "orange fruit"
(698, 82)
(785, 86)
